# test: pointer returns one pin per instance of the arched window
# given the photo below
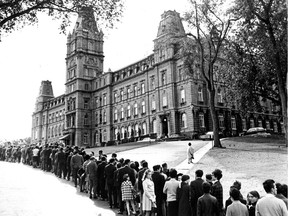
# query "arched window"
(143, 107)
(121, 95)
(128, 93)
(122, 113)
(115, 133)
(135, 90)
(135, 109)
(129, 111)
(182, 95)
(129, 131)
(144, 128)
(122, 132)
(104, 100)
(142, 88)
(59, 129)
(184, 120)
(136, 130)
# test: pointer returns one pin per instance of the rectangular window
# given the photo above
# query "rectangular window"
(267, 125)
(200, 94)
(244, 127)
(221, 121)
(275, 126)
(233, 123)
(201, 120)
(183, 96)
(163, 77)
(153, 104)
(85, 138)
(152, 82)
(86, 103)
(165, 100)
(260, 123)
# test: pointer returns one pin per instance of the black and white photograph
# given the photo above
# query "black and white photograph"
(143, 108)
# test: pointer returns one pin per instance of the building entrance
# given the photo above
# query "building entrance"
(165, 126)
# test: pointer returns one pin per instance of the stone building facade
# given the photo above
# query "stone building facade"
(152, 97)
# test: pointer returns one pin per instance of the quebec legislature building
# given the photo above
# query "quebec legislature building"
(152, 97)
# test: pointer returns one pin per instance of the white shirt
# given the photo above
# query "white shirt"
(269, 205)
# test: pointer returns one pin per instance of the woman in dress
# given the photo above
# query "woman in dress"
(252, 198)
(149, 198)
(127, 193)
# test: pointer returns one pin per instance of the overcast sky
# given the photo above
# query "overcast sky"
(37, 53)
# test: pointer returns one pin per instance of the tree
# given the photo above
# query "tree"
(15, 14)
(209, 38)
(262, 31)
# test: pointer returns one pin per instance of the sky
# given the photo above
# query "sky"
(37, 53)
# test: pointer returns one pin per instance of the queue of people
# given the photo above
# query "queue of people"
(134, 188)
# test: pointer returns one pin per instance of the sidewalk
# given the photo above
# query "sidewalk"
(184, 167)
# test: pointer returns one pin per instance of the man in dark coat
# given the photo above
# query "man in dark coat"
(196, 190)
(61, 162)
(109, 175)
(159, 181)
(207, 204)
(217, 189)
(101, 177)
(122, 171)
(183, 196)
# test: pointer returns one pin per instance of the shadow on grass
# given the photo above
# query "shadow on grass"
(274, 139)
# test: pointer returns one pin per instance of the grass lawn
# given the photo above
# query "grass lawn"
(250, 160)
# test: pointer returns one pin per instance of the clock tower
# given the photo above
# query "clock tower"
(84, 63)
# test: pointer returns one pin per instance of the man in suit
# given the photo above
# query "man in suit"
(109, 173)
(122, 171)
(159, 181)
(76, 163)
(92, 176)
(196, 190)
(207, 204)
(101, 177)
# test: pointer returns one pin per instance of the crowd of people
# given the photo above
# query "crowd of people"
(134, 188)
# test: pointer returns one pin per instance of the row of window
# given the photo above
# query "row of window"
(54, 117)
(55, 131)
(244, 123)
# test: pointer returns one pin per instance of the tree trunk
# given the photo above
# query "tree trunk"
(215, 120)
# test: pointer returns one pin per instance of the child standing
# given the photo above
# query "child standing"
(127, 193)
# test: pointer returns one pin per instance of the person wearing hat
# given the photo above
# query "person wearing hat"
(217, 189)
(183, 197)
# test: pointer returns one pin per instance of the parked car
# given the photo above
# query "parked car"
(254, 130)
(210, 135)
